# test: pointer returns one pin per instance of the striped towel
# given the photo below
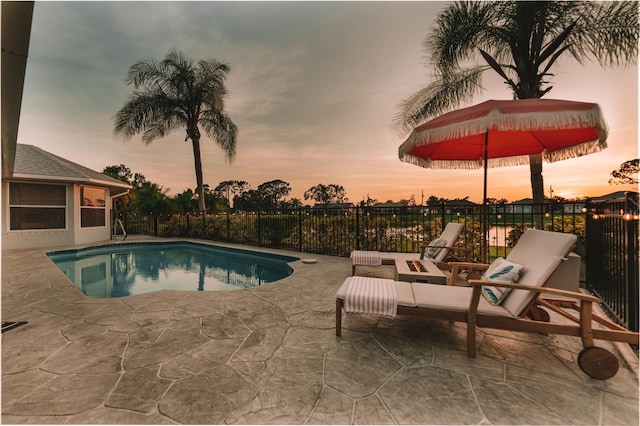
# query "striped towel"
(366, 258)
(371, 296)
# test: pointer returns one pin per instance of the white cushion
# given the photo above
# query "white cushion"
(494, 294)
(541, 252)
(503, 270)
(432, 252)
(500, 270)
(450, 234)
(452, 298)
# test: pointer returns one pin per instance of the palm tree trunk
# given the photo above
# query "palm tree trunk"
(537, 189)
(197, 158)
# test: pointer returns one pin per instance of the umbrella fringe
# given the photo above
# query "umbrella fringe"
(442, 164)
(508, 122)
(585, 148)
(519, 160)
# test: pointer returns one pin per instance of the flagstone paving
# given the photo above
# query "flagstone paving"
(269, 355)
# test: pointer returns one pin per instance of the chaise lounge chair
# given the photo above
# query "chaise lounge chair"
(541, 252)
(443, 250)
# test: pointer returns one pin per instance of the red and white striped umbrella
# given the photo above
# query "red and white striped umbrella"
(506, 133)
(512, 129)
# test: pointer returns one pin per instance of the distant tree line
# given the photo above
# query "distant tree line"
(238, 194)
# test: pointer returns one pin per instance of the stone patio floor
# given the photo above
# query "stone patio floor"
(269, 355)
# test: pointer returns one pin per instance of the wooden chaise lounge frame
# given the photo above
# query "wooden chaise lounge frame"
(577, 308)
(447, 253)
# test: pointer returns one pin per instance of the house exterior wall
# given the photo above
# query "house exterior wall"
(519, 209)
(573, 208)
(72, 234)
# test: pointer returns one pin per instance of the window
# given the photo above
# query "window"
(37, 206)
(92, 207)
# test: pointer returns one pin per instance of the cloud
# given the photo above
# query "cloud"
(263, 79)
(313, 87)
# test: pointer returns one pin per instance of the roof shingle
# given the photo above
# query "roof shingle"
(31, 160)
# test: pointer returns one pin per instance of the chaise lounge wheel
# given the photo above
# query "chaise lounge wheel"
(598, 363)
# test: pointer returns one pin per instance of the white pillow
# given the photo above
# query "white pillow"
(432, 252)
(500, 270)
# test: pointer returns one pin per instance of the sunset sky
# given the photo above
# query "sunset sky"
(313, 88)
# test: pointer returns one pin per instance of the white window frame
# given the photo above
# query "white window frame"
(104, 208)
(39, 206)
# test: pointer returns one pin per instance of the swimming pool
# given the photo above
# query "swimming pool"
(125, 269)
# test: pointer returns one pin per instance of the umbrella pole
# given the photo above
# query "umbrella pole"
(485, 217)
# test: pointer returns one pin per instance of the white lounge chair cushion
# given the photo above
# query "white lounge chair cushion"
(450, 235)
(452, 298)
(434, 248)
(541, 252)
(403, 291)
(500, 270)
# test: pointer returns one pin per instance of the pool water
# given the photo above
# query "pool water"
(127, 269)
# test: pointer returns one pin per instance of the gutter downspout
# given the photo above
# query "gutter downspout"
(120, 195)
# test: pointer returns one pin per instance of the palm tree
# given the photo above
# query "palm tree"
(521, 41)
(177, 93)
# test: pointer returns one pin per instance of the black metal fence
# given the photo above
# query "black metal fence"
(337, 232)
(612, 257)
(607, 235)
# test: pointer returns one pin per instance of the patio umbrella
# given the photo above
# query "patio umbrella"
(506, 133)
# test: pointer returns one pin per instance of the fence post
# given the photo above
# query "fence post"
(632, 268)
(228, 225)
(259, 231)
(443, 215)
(155, 225)
(357, 228)
(204, 224)
(300, 229)
(188, 225)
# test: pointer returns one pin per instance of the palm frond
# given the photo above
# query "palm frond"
(554, 58)
(211, 76)
(497, 68)
(146, 72)
(555, 45)
(130, 119)
(443, 94)
(456, 33)
(144, 111)
(213, 69)
(605, 31)
(617, 35)
(222, 129)
(159, 127)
